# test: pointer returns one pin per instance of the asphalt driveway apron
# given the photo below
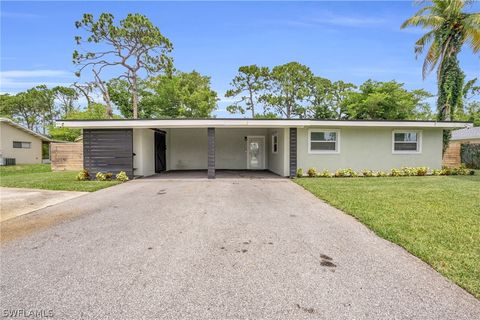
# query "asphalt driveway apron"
(214, 249)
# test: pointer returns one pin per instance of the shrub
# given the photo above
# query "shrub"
(83, 175)
(368, 173)
(462, 170)
(122, 176)
(325, 174)
(346, 173)
(437, 172)
(396, 173)
(312, 172)
(446, 171)
(339, 173)
(108, 175)
(422, 171)
(382, 174)
(299, 172)
(407, 171)
(101, 176)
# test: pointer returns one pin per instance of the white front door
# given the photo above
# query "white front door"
(256, 152)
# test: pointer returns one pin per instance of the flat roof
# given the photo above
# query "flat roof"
(252, 123)
(18, 126)
(466, 134)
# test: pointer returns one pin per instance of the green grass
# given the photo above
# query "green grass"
(40, 176)
(435, 218)
(24, 169)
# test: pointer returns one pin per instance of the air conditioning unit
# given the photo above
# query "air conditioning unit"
(7, 161)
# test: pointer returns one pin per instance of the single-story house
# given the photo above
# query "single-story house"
(20, 143)
(452, 156)
(146, 147)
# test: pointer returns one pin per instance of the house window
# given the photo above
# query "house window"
(275, 143)
(323, 141)
(22, 145)
(407, 141)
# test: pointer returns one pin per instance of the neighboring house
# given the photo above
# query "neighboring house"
(452, 156)
(146, 147)
(20, 143)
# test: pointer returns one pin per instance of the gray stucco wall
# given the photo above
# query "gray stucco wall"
(144, 149)
(371, 148)
(276, 161)
(187, 148)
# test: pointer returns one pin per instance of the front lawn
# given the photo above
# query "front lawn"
(40, 176)
(435, 218)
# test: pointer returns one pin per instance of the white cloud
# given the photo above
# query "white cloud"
(19, 80)
(333, 19)
(348, 21)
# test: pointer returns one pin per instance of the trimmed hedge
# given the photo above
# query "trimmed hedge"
(470, 155)
(402, 172)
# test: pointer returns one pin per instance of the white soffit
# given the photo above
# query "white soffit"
(248, 123)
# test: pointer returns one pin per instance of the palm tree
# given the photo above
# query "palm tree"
(450, 27)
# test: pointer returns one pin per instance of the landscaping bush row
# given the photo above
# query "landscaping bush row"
(102, 176)
(402, 172)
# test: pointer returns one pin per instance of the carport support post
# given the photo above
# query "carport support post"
(293, 152)
(211, 153)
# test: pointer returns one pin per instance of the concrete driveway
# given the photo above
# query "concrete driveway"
(18, 201)
(222, 249)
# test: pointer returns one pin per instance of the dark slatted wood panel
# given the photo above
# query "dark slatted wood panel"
(108, 151)
(211, 153)
(293, 152)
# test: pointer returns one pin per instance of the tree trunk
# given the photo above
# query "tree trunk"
(134, 97)
(450, 88)
(105, 94)
(251, 103)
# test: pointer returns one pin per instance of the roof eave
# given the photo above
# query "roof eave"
(249, 123)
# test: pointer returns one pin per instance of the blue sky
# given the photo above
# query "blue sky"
(350, 41)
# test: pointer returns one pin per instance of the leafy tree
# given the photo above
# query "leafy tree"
(450, 27)
(289, 87)
(86, 90)
(135, 44)
(327, 98)
(470, 93)
(94, 111)
(6, 105)
(472, 113)
(185, 94)
(319, 98)
(385, 100)
(33, 108)
(66, 98)
(266, 115)
(119, 92)
(180, 95)
(250, 82)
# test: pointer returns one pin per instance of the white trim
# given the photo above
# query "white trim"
(274, 135)
(419, 142)
(248, 151)
(337, 142)
(249, 123)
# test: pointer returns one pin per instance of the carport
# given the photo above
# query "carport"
(147, 147)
